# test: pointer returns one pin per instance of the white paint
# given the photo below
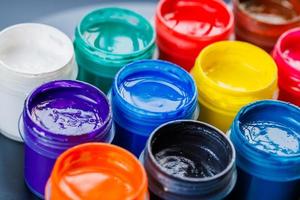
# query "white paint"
(30, 55)
(34, 48)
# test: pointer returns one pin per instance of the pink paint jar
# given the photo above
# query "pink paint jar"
(287, 56)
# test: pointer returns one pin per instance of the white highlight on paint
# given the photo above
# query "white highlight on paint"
(34, 48)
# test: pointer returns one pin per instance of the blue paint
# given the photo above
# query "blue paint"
(146, 94)
(266, 135)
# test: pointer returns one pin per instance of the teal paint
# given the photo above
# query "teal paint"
(109, 38)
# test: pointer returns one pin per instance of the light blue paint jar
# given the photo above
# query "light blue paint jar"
(146, 94)
(266, 135)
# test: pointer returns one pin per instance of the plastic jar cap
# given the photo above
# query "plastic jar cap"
(213, 9)
(97, 171)
(276, 156)
(235, 67)
(286, 41)
(123, 16)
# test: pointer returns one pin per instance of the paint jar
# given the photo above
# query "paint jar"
(185, 27)
(97, 171)
(261, 22)
(109, 38)
(287, 56)
(229, 75)
(266, 135)
(57, 116)
(189, 160)
(30, 54)
(146, 94)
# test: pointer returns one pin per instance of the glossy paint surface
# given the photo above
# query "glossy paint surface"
(146, 94)
(96, 171)
(267, 140)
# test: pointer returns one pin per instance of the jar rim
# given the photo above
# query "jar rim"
(225, 171)
(166, 65)
(59, 33)
(96, 148)
(51, 136)
(125, 12)
(256, 105)
(227, 29)
(278, 49)
(198, 70)
(237, 4)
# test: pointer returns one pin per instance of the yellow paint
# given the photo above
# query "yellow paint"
(229, 75)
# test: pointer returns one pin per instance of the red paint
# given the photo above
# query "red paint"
(97, 171)
(185, 27)
(287, 56)
(261, 22)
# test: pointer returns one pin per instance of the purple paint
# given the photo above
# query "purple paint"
(57, 116)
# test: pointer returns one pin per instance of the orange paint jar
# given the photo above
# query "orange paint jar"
(97, 171)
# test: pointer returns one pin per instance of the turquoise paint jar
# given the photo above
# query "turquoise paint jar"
(109, 38)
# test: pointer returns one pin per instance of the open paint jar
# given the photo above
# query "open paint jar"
(97, 171)
(30, 54)
(109, 38)
(261, 22)
(287, 56)
(266, 135)
(189, 160)
(57, 116)
(229, 75)
(185, 27)
(146, 94)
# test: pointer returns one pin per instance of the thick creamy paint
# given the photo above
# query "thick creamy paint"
(195, 18)
(67, 112)
(190, 161)
(116, 37)
(270, 11)
(154, 91)
(34, 49)
(292, 55)
(272, 137)
(98, 171)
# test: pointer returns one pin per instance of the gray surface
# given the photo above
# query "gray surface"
(63, 14)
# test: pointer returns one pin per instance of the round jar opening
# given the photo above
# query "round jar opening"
(68, 108)
(237, 67)
(98, 171)
(289, 49)
(191, 151)
(116, 31)
(270, 11)
(34, 49)
(157, 89)
(271, 127)
(193, 18)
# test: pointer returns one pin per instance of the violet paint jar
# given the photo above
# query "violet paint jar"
(56, 116)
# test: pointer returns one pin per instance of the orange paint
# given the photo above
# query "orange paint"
(97, 171)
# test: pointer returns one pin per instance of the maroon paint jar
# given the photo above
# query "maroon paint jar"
(261, 22)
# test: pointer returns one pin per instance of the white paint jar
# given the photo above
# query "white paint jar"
(30, 55)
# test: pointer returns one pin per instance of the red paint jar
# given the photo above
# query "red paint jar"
(185, 27)
(287, 56)
(261, 22)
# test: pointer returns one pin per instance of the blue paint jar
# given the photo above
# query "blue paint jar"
(146, 94)
(266, 135)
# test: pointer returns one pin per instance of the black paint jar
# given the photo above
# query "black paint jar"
(189, 160)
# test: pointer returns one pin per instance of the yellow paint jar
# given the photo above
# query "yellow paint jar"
(230, 75)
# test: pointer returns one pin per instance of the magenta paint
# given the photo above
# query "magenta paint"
(57, 116)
